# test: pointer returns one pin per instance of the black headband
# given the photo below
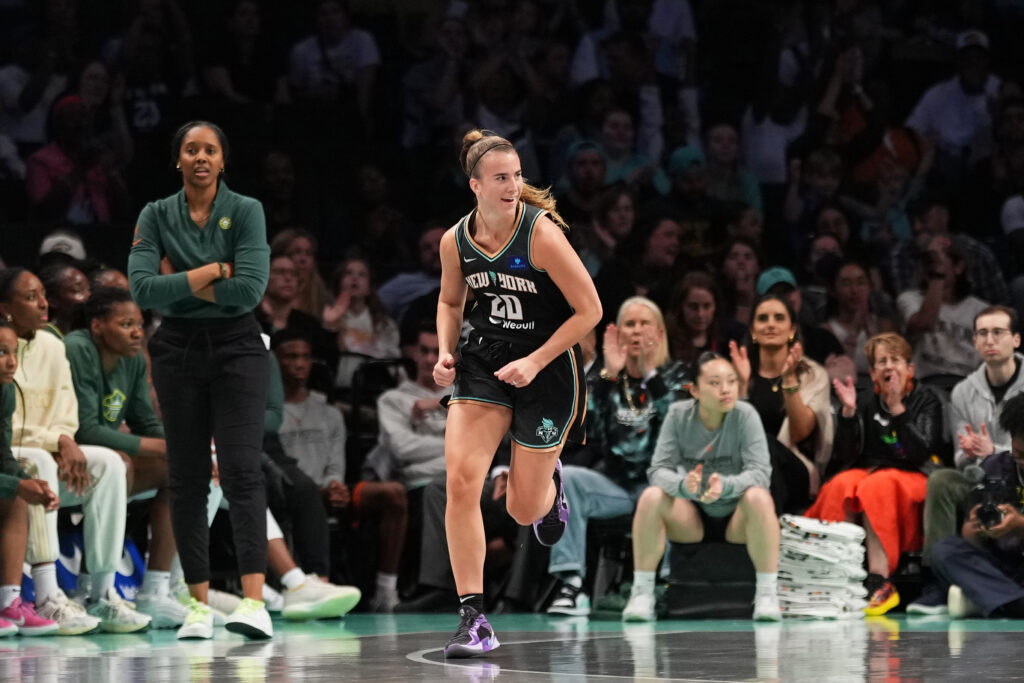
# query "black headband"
(500, 143)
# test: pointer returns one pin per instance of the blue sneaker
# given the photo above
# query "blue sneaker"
(474, 636)
(549, 528)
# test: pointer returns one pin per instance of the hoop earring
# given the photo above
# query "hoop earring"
(792, 338)
(753, 339)
(9, 318)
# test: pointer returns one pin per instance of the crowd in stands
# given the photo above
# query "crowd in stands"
(828, 195)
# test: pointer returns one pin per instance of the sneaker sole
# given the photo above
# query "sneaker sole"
(878, 611)
(30, 631)
(123, 628)
(927, 610)
(466, 651)
(8, 631)
(196, 636)
(637, 618)
(569, 611)
(330, 608)
(768, 617)
(248, 630)
(76, 630)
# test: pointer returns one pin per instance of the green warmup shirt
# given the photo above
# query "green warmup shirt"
(108, 399)
(236, 232)
(10, 473)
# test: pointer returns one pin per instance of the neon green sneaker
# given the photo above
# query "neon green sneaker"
(251, 619)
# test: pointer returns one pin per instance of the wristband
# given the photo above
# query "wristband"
(223, 270)
(793, 389)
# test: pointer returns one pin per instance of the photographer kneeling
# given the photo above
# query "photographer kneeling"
(982, 568)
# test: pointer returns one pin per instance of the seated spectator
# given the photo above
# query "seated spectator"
(737, 273)
(21, 497)
(103, 96)
(700, 214)
(410, 447)
(112, 389)
(613, 220)
(277, 311)
(727, 502)
(338, 63)
(579, 187)
(728, 181)
(939, 315)
(886, 441)
(980, 569)
(67, 181)
(645, 265)
(245, 66)
(790, 392)
(358, 319)
(824, 256)
(397, 293)
(813, 183)
(857, 314)
(66, 289)
(625, 164)
(286, 201)
(908, 260)
(627, 403)
(819, 344)
(975, 407)
(955, 112)
(313, 433)
(94, 477)
(301, 247)
(694, 321)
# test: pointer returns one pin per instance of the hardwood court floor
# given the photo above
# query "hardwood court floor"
(538, 648)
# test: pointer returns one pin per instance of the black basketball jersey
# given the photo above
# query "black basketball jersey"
(514, 300)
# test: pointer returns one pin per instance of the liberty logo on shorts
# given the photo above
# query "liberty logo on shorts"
(547, 430)
(224, 223)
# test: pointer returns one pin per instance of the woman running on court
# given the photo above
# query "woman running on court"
(520, 368)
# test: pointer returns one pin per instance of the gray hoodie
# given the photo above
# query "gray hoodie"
(972, 403)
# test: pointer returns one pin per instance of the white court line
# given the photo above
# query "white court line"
(496, 669)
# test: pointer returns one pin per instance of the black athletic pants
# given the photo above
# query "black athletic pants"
(211, 379)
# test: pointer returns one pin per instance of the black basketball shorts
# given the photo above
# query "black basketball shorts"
(545, 413)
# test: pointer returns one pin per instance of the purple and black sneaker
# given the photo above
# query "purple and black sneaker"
(474, 637)
(549, 528)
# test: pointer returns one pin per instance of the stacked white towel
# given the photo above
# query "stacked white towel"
(821, 568)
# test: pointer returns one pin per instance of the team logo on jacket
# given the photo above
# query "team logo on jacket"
(113, 404)
(224, 223)
(547, 430)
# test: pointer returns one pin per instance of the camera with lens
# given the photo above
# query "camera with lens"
(994, 491)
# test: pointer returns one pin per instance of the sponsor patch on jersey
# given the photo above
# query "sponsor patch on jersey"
(516, 263)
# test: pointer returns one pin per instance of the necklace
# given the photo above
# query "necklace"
(292, 409)
(629, 396)
(774, 383)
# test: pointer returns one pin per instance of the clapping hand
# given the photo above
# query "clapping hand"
(847, 394)
(976, 444)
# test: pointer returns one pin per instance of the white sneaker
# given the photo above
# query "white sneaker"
(639, 608)
(251, 619)
(216, 597)
(273, 600)
(165, 611)
(198, 623)
(960, 606)
(222, 604)
(766, 607)
(117, 615)
(72, 619)
(570, 601)
(317, 599)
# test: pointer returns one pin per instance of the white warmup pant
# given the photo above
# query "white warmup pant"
(103, 506)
